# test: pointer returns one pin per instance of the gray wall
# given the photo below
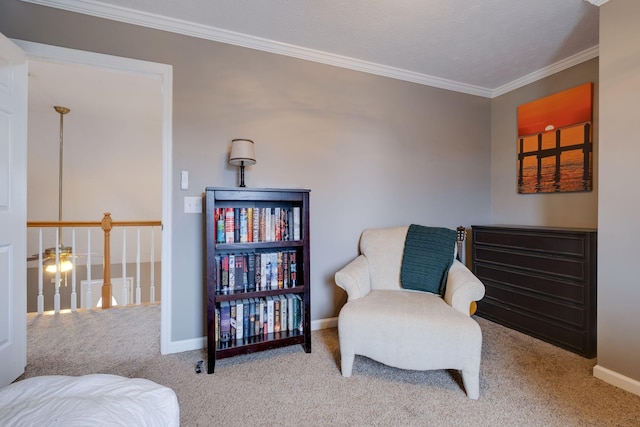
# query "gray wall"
(374, 151)
(553, 209)
(619, 205)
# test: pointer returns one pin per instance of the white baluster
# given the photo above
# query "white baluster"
(152, 287)
(87, 303)
(40, 275)
(124, 267)
(138, 295)
(74, 295)
(56, 296)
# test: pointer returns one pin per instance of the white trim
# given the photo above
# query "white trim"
(330, 322)
(150, 20)
(569, 62)
(597, 2)
(164, 73)
(187, 345)
(616, 379)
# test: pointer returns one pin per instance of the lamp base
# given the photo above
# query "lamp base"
(242, 175)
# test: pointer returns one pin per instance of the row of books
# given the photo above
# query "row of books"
(256, 271)
(247, 225)
(254, 317)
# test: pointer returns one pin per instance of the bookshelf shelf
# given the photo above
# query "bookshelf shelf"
(260, 269)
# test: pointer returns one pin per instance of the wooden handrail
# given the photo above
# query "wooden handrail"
(44, 224)
(107, 225)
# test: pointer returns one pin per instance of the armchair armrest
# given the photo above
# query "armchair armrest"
(463, 287)
(354, 278)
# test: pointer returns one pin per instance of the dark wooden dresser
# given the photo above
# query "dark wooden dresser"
(540, 281)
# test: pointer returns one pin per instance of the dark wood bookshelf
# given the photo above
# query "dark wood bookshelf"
(218, 197)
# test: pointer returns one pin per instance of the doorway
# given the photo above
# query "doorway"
(160, 77)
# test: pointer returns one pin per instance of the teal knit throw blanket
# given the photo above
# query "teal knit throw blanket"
(428, 255)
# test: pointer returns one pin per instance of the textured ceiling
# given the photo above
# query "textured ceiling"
(485, 45)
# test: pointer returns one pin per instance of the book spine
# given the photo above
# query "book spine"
(249, 224)
(258, 268)
(239, 319)
(218, 273)
(220, 225)
(256, 225)
(251, 271)
(239, 273)
(276, 314)
(293, 268)
(264, 271)
(280, 269)
(296, 223)
(232, 320)
(236, 225)
(246, 319)
(270, 315)
(263, 225)
(228, 225)
(244, 229)
(285, 269)
(225, 324)
(274, 270)
(277, 234)
(290, 311)
(283, 314)
(300, 313)
(252, 317)
(225, 274)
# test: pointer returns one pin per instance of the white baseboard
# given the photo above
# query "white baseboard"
(186, 345)
(616, 379)
(331, 322)
(199, 343)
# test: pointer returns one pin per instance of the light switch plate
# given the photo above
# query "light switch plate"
(193, 205)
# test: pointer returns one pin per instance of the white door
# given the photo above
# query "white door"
(13, 211)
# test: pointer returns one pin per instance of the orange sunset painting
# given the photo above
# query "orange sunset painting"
(555, 142)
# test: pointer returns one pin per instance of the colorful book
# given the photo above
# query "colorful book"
(228, 225)
(296, 223)
(239, 319)
(251, 271)
(224, 286)
(232, 320)
(246, 319)
(244, 226)
(293, 268)
(270, 315)
(284, 320)
(225, 324)
(276, 313)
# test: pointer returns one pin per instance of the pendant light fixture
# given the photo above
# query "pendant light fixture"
(64, 252)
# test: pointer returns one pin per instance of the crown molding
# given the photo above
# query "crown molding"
(131, 16)
(149, 20)
(597, 2)
(569, 62)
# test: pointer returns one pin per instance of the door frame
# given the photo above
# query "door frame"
(164, 73)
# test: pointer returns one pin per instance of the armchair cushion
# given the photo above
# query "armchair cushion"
(428, 255)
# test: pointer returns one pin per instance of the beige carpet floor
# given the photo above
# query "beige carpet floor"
(524, 381)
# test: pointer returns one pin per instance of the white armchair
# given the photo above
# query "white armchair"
(404, 328)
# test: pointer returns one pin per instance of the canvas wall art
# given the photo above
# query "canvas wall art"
(555, 142)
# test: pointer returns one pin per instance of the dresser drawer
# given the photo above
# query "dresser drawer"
(551, 243)
(552, 287)
(570, 268)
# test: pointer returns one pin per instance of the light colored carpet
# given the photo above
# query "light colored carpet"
(524, 381)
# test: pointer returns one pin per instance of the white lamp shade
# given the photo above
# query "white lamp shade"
(242, 152)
